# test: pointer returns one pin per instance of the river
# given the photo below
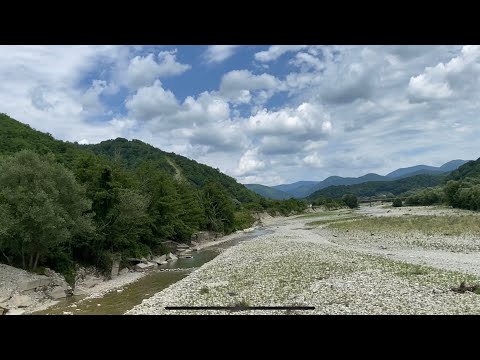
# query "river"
(119, 301)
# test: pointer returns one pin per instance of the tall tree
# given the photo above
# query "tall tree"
(44, 201)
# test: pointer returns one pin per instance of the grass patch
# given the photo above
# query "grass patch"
(413, 270)
(333, 221)
(325, 214)
(204, 290)
(427, 224)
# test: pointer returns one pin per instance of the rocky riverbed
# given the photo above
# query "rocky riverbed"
(22, 292)
(335, 271)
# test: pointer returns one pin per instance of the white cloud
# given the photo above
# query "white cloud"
(152, 101)
(275, 51)
(237, 86)
(344, 110)
(144, 70)
(219, 53)
(459, 76)
(307, 121)
(250, 163)
(90, 99)
(162, 111)
(306, 62)
(313, 160)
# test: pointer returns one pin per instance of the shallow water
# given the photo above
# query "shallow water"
(116, 303)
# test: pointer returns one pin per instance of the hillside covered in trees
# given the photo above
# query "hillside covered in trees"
(378, 188)
(63, 203)
(460, 189)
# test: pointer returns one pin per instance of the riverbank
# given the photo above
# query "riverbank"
(93, 286)
(337, 273)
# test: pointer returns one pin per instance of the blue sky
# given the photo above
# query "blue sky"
(262, 114)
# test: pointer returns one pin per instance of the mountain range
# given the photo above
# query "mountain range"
(302, 189)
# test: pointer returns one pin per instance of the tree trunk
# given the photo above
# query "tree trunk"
(23, 259)
(8, 259)
(30, 263)
(37, 256)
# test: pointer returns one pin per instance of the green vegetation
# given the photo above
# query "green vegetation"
(397, 202)
(340, 218)
(426, 197)
(42, 208)
(461, 189)
(428, 225)
(350, 200)
(63, 203)
(268, 192)
(377, 188)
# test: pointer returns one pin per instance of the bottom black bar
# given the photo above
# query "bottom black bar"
(237, 308)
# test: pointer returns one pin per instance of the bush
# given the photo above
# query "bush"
(350, 200)
(397, 202)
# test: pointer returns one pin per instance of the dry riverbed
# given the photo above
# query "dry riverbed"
(342, 262)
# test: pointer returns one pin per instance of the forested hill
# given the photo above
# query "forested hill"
(134, 152)
(268, 192)
(16, 136)
(376, 188)
(469, 170)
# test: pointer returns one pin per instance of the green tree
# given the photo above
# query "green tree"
(350, 200)
(450, 190)
(43, 203)
(397, 202)
(219, 209)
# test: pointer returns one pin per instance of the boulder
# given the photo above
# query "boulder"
(58, 293)
(91, 281)
(145, 267)
(33, 284)
(172, 257)
(78, 292)
(164, 262)
(20, 301)
(160, 259)
(182, 246)
(115, 268)
(124, 271)
(143, 260)
(15, 312)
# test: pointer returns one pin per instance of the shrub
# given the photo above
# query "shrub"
(397, 202)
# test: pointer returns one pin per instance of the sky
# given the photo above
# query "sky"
(261, 114)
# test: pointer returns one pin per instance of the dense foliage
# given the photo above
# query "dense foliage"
(397, 202)
(377, 188)
(350, 200)
(62, 203)
(268, 192)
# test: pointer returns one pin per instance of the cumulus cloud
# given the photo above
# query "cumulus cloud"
(162, 111)
(306, 62)
(304, 122)
(443, 81)
(144, 70)
(250, 163)
(275, 51)
(238, 85)
(317, 111)
(219, 53)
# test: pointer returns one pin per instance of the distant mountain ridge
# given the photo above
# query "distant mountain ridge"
(268, 192)
(302, 189)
